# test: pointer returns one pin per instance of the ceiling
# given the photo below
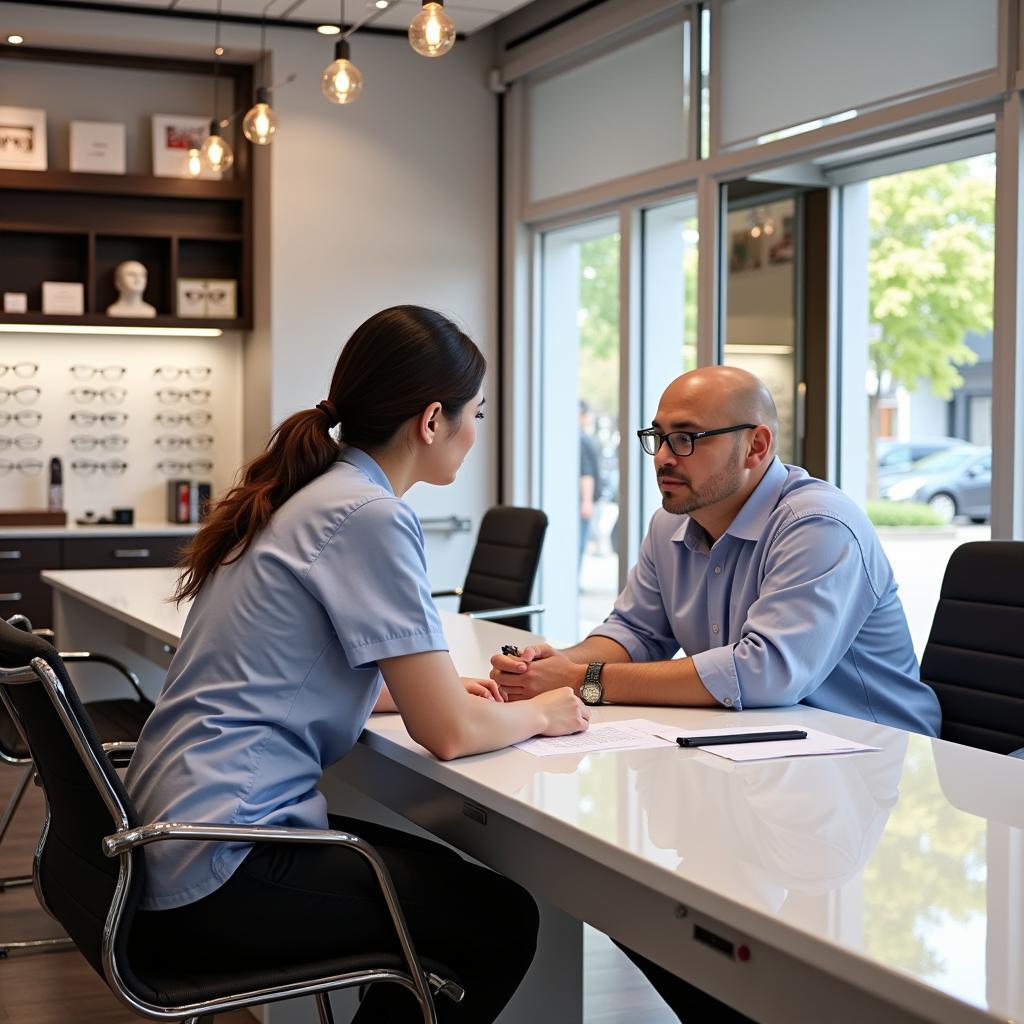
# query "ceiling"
(468, 16)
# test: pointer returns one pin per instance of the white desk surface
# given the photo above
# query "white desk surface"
(900, 871)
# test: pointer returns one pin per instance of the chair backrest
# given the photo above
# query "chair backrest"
(12, 746)
(974, 659)
(504, 563)
(86, 799)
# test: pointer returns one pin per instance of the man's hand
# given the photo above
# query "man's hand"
(538, 669)
(486, 688)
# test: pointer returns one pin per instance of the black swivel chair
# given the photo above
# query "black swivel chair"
(974, 658)
(89, 870)
(114, 720)
(501, 572)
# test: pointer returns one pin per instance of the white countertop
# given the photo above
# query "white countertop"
(156, 528)
(899, 868)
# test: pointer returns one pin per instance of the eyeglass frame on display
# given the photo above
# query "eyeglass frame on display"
(111, 467)
(88, 418)
(88, 372)
(6, 393)
(109, 396)
(192, 466)
(19, 442)
(175, 395)
(30, 467)
(34, 417)
(195, 418)
(195, 443)
(89, 442)
(691, 435)
(13, 367)
(176, 372)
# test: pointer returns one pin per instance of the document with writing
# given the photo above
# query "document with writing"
(631, 734)
(815, 743)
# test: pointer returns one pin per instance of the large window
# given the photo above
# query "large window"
(916, 382)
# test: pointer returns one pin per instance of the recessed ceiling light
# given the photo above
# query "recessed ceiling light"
(219, 51)
(329, 30)
(15, 40)
(382, 5)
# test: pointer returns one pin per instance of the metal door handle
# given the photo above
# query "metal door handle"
(10, 554)
(131, 552)
(14, 595)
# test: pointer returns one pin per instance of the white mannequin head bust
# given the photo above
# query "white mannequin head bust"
(130, 281)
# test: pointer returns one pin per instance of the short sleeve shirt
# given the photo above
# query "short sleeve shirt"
(277, 671)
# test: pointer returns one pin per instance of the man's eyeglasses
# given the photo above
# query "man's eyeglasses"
(681, 442)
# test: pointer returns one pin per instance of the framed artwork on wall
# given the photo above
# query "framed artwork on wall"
(97, 147)
(173, 136)
(22, 139)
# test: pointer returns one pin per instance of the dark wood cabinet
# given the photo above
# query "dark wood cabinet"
(22, 559)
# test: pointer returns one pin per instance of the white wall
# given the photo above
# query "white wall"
(392, 200)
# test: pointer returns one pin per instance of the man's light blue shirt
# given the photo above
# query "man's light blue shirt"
(794, 603)
(277, 673)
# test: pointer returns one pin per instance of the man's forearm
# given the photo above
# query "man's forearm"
(665, 683)
(596, 648)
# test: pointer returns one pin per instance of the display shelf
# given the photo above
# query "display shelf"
(121, 185)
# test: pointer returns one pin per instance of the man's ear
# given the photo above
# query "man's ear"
(429, 421)
(760, 444)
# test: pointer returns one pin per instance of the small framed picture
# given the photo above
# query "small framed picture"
(65, 298)
(221, 299)
(97, 147)
(22, 139)
(173, 136)
(15, 302)
(191, 297)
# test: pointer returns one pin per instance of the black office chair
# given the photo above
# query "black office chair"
(974, 658)
(115, 720)
(89, 870)
(501, 572)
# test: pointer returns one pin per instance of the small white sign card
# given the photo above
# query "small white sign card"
(22, 139)
(63, 298)
(97, 147)
(173, 136)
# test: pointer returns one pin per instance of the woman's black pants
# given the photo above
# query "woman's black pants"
(288, 903)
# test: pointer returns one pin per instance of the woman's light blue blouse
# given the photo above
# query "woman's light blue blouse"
(277, 673)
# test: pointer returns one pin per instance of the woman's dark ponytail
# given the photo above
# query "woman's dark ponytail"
(393, 367)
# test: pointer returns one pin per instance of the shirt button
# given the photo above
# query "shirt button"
(718, 570)
(727, 701)
(714, 628)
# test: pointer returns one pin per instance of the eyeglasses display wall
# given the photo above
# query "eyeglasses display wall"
(125, 416)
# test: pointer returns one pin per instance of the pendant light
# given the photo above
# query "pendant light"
(260, 124)
(432, 32)
(342, 81)
(216, 152)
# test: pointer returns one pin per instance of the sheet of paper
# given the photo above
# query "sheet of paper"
(631, 734)
(815, 743)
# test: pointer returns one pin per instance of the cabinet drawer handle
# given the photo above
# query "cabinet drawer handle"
(11, 555)
(14, 595)
(131, 552)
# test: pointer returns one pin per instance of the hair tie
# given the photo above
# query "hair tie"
(330, 410)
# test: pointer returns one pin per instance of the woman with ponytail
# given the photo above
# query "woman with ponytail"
(310, 609)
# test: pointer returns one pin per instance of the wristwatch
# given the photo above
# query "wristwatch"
(592, 692)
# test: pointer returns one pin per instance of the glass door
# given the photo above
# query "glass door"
(579, 424)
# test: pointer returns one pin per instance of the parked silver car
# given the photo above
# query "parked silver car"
(954, 482)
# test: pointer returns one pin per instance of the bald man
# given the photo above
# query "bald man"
(773, 583)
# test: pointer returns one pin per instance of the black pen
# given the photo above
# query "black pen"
(510, 651)
(741, 737)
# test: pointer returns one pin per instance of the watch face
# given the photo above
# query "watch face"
(590, 693)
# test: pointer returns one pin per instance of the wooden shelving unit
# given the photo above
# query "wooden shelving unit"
(63, 226)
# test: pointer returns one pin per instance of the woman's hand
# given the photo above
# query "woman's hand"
(486, 688)
(564, 711)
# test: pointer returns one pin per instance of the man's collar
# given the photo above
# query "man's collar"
(358, 458)
(751, 519)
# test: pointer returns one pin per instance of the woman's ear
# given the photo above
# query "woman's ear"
(429, 420)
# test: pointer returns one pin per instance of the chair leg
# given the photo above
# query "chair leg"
(323, 1008)
(5, 821)
(29, 946)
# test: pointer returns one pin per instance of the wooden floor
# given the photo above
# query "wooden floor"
(58, 988)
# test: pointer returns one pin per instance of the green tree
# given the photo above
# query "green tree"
(599, 323)
(930, 268)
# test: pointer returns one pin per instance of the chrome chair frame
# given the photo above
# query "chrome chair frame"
(54, 945)
(125, 839)
(491, 614)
